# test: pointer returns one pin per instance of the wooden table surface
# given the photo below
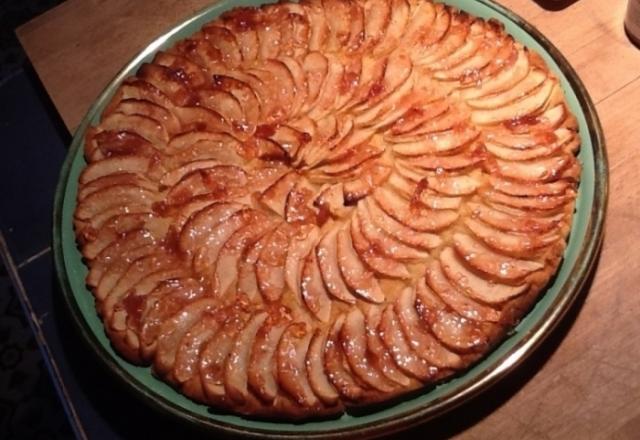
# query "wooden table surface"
(584, 382)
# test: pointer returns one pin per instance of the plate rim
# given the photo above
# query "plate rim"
(557, 309)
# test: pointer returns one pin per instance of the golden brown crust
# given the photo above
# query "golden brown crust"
(305, 208)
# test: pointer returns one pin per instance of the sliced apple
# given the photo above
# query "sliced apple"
(404, 357)
(312, 289)
(174, 176)
(372, 175)
(542, 170)
(136, 272)
(206, 254)
(505, 79)
(485, 260)
(420, 339)
(379, 238)
(522, 222)
(540, 203)
(326, 253)
(236, 366)
(314, 363)
(353, 338)
(275, 196)
(161, 304)
(360, 280)
(119, 197)
(454, 331)
(457, 299)
(187, 361)
(422, 220)
(527, 189)
(379, 355)
(213, 358)
(336, 365)
(290, 358)
(377, 17)
(440, 142)
(245, 95)
(400, 14)
(201, 223)
(149, 109)
(477, 287)
(174, 329)
(531, 103)
(461, 185)
(270, 265)
(421, 240)
(115, 165)
(518, 244)
(111, 231)
(301, 244)
(262, 367)
(446, 163)
(231, 253)
(533, 80)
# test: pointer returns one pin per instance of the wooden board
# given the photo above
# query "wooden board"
(584, 382)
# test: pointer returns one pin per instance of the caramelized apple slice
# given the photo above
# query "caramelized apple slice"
(336, 365)
(118, 197)
(146, 127)
(519, 221)
(202, 223)
(302, 241)
(161, 304)
(379, 355)
(542, 170)
(485, 260)
(374, 257)
(382, 241)
(186, 365)
(354, 344)
(505, 79)
(270, 264)
(405, 358)
(419, 338)
(275, 197)
(525, 106)
(215, 354)
(532, 81)
(327, 255)
(421, 240)
(422, 220)
(440, 142)
(261, 372)
(477, 287)
(518, 244)
(236, 366)
(231, 253)
(314, 362)
(400, 14)
(377, 17)
(456, 299)
(360, 280)
(111, 231)
(454, 331)
(371, 176)
(527, 189)
(461, 185)
(312, 288)
(290, 357)
(174, 329)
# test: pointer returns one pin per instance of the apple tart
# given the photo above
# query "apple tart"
(308, 207)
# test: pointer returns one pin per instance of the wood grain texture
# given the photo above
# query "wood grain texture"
(584, 382)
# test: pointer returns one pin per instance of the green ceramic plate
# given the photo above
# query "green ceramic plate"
(584, 243)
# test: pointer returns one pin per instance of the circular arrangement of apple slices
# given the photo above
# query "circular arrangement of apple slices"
(306, 207)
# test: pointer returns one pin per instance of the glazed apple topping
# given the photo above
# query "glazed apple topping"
(307, 207)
